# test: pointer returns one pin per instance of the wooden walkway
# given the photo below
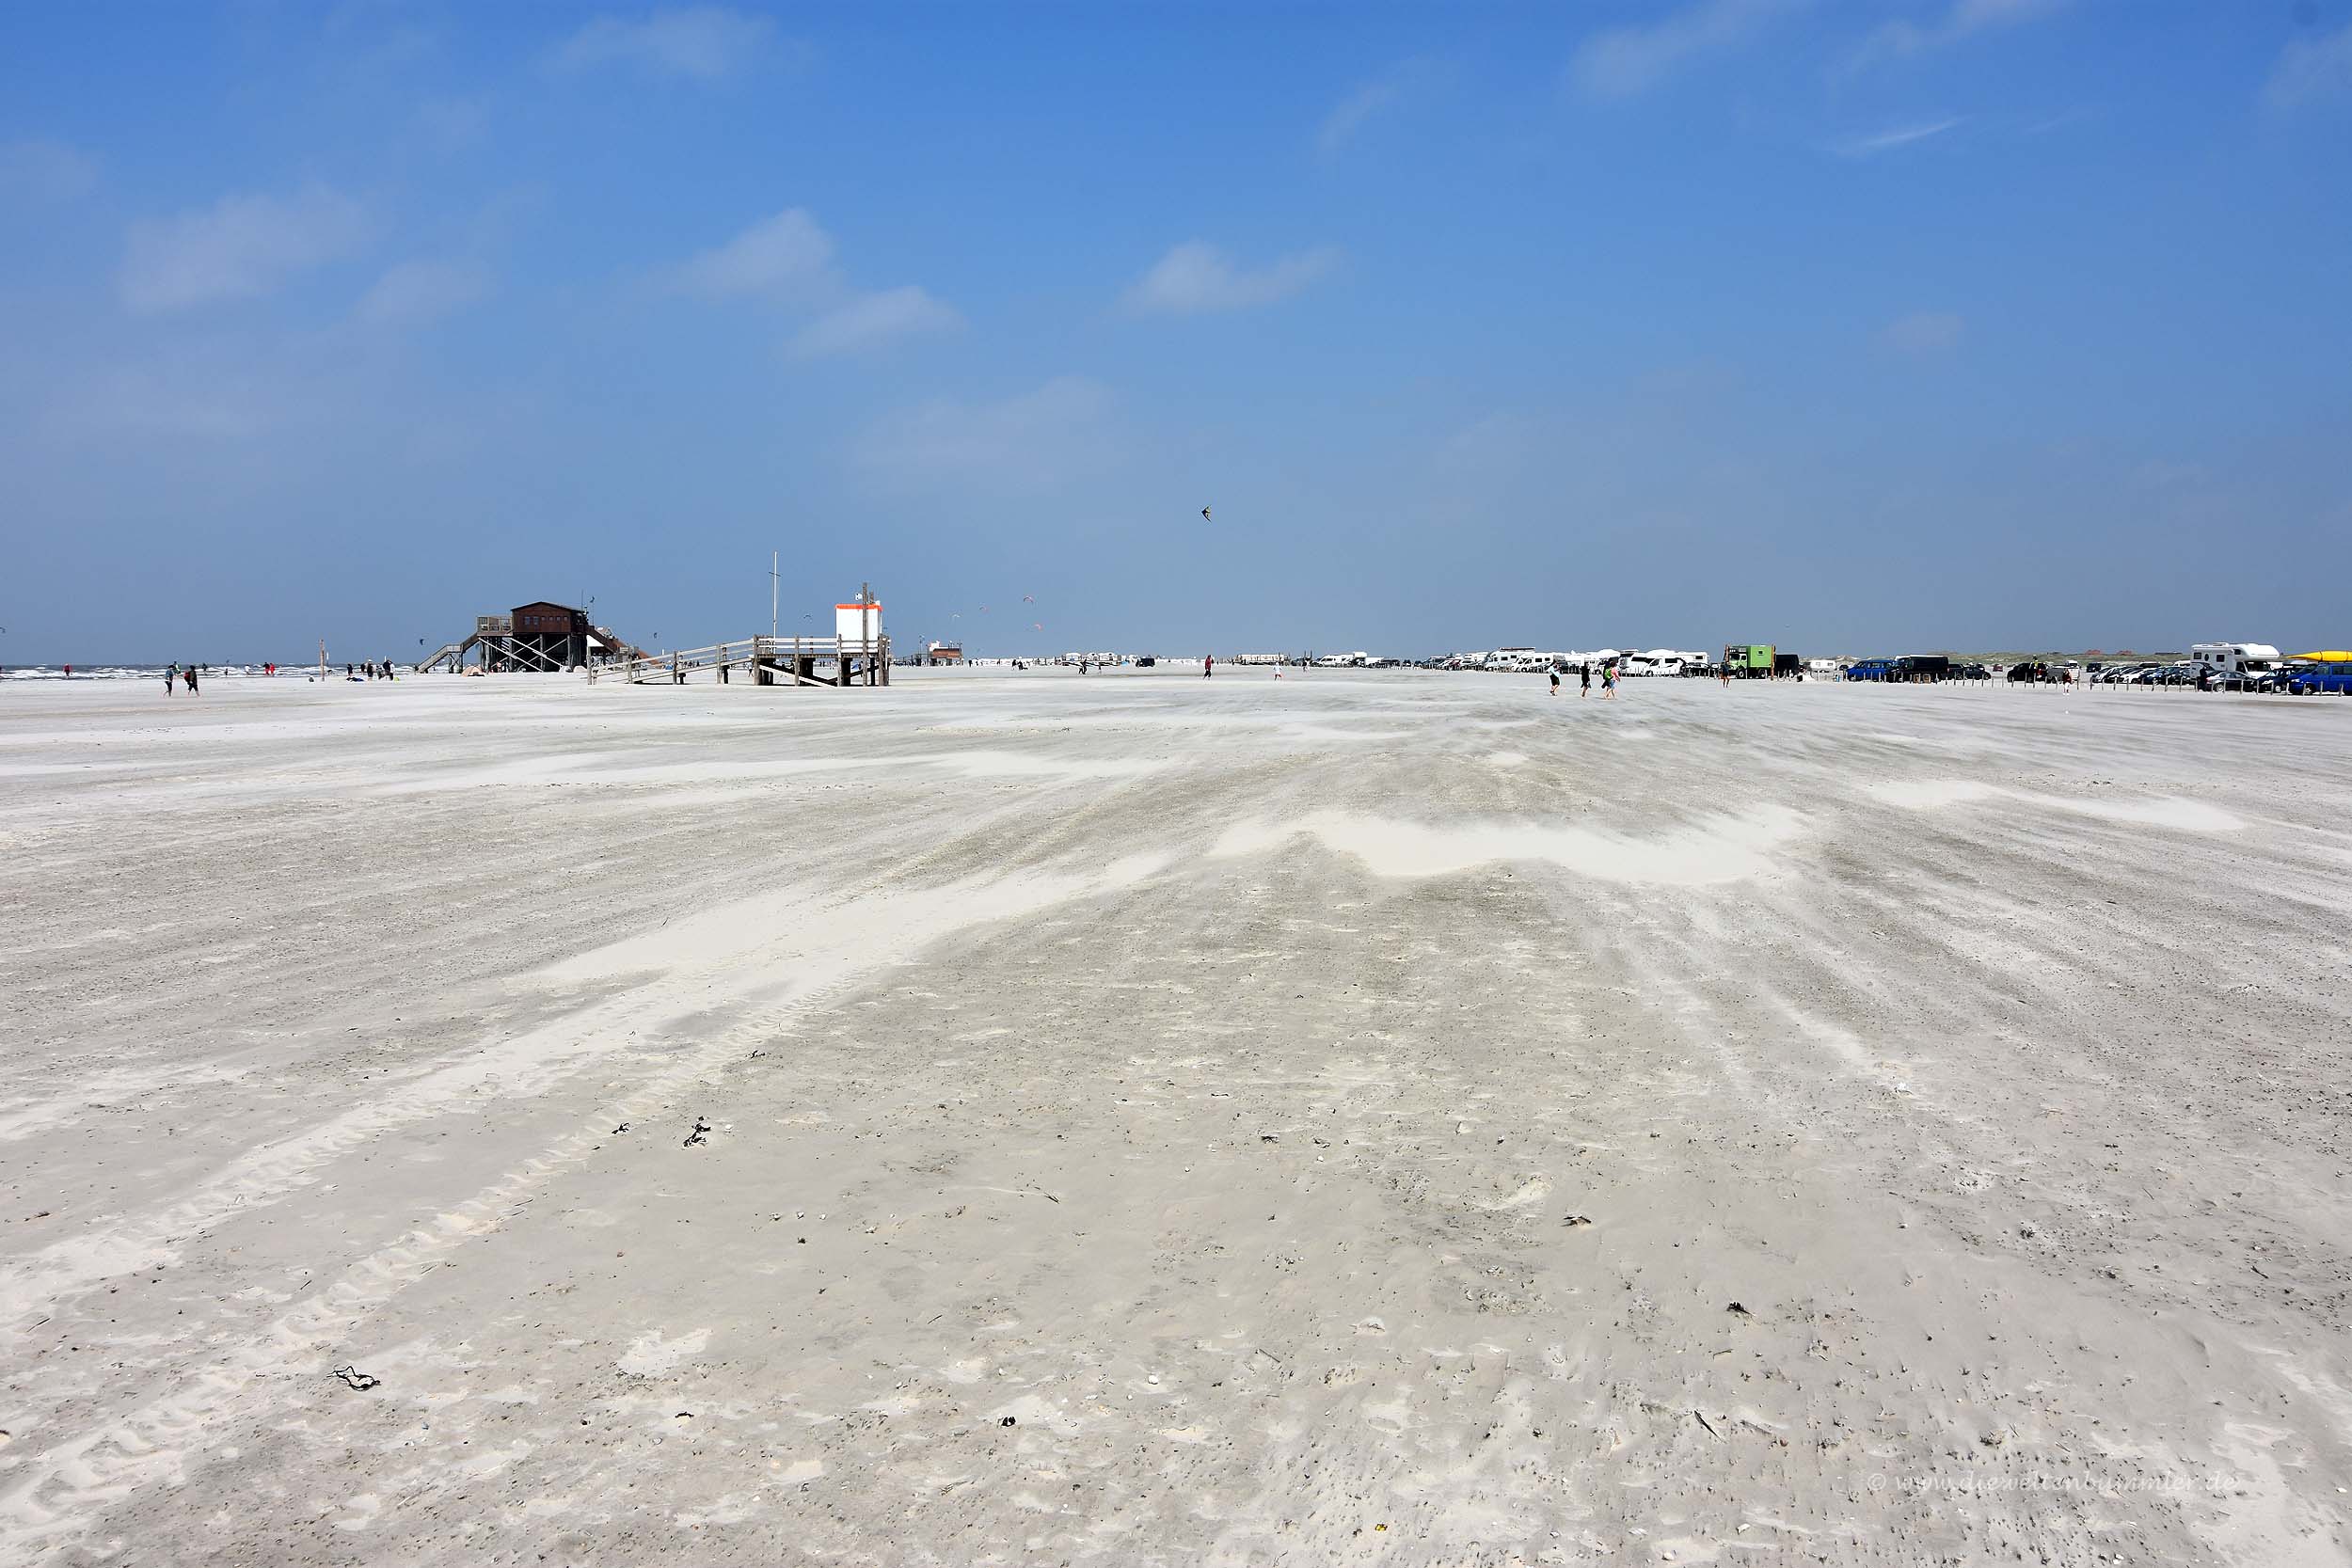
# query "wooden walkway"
(766, 661)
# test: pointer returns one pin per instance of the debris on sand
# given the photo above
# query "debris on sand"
(1737, 1310)
(353, 1378)
(1575, 1220)
(699, 1135)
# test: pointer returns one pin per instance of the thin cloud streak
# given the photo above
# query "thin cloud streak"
(241, 247)
(1622, 62)
(874, 320)
(1393, 88)
(1965, 20)
(418, 294)
(1887, 141)
(788, 255)
(2309, 69)
(703, 43)
(1196, 277)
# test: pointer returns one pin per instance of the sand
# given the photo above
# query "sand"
(1397, 1118)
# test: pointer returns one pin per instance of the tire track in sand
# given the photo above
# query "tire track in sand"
(62, 1488)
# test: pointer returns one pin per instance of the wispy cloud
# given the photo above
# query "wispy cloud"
(417, 293)
(40, 166)
(1964, 20)
(1923, 333)
(1876, 142)
(1623, 61)
(786, 257)
(786, 263)
(1029, 442)
(2309, 69)
(1196, 276)
(873, 320)
(1371, 99)
(240, 248)
(705, 43)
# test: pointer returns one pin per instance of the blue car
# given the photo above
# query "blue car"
(1870, 670)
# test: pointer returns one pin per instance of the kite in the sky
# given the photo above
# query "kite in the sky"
(1037, 626)
(1029, 598)
(1204, 514)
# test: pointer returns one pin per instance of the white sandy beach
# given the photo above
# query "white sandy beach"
(1397, 1118)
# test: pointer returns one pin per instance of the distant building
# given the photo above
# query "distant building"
(548, 636)
(944, 653)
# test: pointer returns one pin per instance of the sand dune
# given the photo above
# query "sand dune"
(1164, 1121)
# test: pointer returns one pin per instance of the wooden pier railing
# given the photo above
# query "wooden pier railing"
(768, 661)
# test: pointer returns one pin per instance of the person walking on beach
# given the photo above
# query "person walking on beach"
(171, 673)
(1208, 666)
(1609, 681)
(1584, 679)
(189, 676)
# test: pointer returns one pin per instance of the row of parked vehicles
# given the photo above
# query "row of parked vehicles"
(2289, 677)
(2210, 667)
(1917, 667)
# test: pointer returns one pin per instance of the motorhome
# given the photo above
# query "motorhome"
(2234, 658)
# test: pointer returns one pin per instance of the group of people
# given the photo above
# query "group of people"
(374, 669)
(179, 672)
(1584, 681)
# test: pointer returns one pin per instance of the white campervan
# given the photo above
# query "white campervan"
(2235, 657)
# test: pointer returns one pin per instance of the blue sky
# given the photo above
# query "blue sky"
(1856, 327)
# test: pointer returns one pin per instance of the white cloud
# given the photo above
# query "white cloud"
(1196, 276)
(1356, 107)
(37, 165)
(1624, 61)
(704, 41)
(870, 320)
(786, 263)
(2309, 69)
(1923, 332)
(414, 293)
(1886, 141)
(1965, 20)
(789, 256)
(1384, 92)
(1034, 441)
(240, 248)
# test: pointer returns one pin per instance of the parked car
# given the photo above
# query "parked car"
(1868, 670)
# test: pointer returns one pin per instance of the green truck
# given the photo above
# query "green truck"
(1752, 660)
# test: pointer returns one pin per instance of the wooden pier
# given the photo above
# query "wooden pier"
(765, 661)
